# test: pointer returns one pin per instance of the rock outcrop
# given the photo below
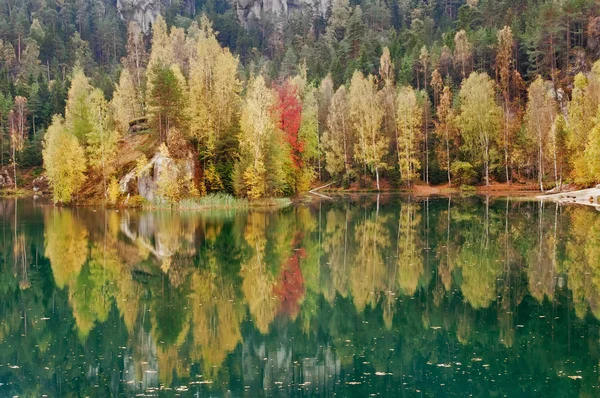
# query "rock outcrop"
(41, 184)
(140, 13)
(6, 180)
(248, 10)
(144, 182)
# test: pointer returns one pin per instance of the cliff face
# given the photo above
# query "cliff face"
(140, 13)
(248, 10)
(143, 13)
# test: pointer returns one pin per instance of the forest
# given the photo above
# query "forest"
(371, 94)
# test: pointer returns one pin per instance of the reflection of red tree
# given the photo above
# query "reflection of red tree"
(290, 285)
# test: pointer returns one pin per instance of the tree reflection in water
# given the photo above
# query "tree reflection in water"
(378, 294)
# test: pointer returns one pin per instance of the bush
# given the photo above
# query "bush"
(463, 173)
(136, 202)
(113, 191)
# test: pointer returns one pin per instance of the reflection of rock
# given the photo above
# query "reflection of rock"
(5, 179)
(140, 13)
(145, 181)
(140, 367)
(276, 368)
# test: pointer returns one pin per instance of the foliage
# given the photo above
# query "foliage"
(64, 161)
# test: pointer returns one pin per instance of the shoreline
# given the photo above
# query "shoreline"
(587, 197)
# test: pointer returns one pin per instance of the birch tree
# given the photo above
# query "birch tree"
(479, 119)
(409, 120)
(366, 114)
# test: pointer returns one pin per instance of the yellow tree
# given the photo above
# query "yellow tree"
(78, 117)
(438, 84)
(541, 112)
(504, 63)
(18, 130)
(257, 132)
(366, 114)
(102, 139)
(463, 52)
(409, 119)
(479, 118)
(125, 103)
(214, 92)
(444, 129)
(337, 139)
(582, 110)
(64, 161)
(592, 151)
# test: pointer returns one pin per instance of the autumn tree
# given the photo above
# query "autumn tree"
(126, 105)
(444, 130)
(289, 112)
(308, 134)
(409, 120)
(18, 130)
(437, 84)
(541, 112)
(260, 145)
(366, 115)
(214, 90)
(102, 139)
(78, 117)
(463, 52)
(324, 97)
(64, 161)
(337, 140)
(479, 118)
(135, 64)
(504, 63)
(582, 110)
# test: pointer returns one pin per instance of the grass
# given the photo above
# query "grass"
(11, 192)
(220, 201)
(212, 201)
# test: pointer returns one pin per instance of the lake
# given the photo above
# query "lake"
(363, 296)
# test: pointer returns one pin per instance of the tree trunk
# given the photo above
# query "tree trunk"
(506, 139)
(14, 167)
(377, 176)
(448, 155)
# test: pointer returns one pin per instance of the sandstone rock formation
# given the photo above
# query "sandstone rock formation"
(6, 180)
(139, 13)
(248, 10)
(145, 182)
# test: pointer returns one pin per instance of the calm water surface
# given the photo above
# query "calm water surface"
(353, 297)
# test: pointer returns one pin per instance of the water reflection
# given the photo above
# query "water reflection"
(385, 296)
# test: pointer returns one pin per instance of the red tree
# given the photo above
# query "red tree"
(289, 113)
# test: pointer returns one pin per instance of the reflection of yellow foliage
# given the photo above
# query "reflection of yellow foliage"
(92, 293)
(479, 271)
(258, 282)
(540, 271)
(583, 261)
(170, 363)
(66, 245)
(216, 320)
(336, 244)
(368, 275)
(410, 258)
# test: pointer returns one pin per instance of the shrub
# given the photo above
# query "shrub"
(463, 172)
(114, 191)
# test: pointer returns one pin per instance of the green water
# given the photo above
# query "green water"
(352, 297)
